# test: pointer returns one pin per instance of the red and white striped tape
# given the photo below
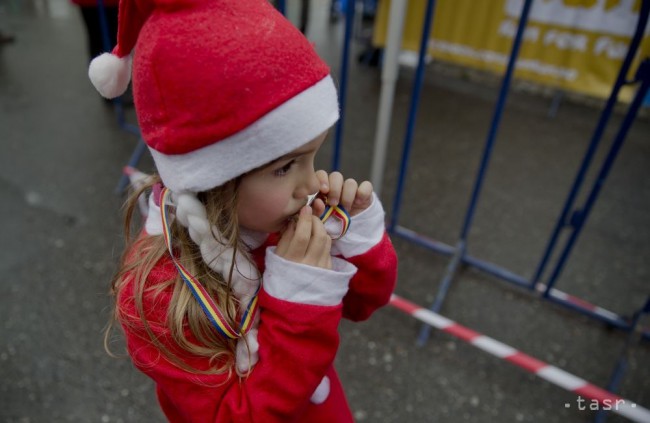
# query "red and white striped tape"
(580, 303)
(550, 373)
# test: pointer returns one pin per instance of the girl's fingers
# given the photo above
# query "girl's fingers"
(363, 198)
(318, 207)
(319, 244)
(306, 241)
(349, 193)
(365, 190)
(335, 187)
(325, 261)
(301, 237)
(285, 239)
(323, 181)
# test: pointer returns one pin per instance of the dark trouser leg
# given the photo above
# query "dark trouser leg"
(94, 30)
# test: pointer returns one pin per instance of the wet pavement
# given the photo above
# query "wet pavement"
(62, 154)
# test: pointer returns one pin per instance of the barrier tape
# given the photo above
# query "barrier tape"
(555, 375)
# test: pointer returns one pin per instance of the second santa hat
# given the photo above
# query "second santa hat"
(221, 87)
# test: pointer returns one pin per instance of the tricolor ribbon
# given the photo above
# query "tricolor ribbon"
(207, 303)
(339, 213)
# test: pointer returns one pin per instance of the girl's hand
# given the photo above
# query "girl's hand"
(306, 241)
(354, 197)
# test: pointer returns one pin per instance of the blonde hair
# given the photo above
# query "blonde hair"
(143, 253)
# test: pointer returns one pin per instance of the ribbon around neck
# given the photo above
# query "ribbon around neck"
(206, 302)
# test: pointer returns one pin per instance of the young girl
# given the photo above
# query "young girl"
(231, 297)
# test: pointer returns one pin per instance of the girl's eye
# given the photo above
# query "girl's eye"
(284, 169)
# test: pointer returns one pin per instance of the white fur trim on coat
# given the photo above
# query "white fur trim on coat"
(300, 283)
(366, 230)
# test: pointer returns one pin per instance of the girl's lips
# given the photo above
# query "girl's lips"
(310, 200)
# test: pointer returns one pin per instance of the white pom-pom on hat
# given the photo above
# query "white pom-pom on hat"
(110, 74)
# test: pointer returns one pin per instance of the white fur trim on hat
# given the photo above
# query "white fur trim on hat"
(289, 126)
(110, 74)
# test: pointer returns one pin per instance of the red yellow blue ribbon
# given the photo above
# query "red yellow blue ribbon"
(340, 213)
(207, 303)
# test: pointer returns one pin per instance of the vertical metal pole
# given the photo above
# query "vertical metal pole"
(304, 15)
(415, 101)
(595, 140)
(103, 24)
(643, 74)
(445, 284)
(343, 83)
(555, 103)
(621, 365)
(106, 42)
(282, 7)
(389, 74)
(457, 259)
(496, 119)
(140, 148)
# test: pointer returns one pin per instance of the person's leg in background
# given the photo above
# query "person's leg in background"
(94, 29)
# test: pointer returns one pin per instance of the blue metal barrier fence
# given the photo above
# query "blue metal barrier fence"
(458, 253)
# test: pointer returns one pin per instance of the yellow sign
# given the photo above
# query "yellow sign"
(575, 45)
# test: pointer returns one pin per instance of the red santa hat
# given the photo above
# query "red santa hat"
(221, 87)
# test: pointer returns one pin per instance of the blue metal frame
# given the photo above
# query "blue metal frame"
(458, 253)
(460, 249)
(415, 102)
(117, 102)
(103, 23)
(282, 7)
(118, 106)
(563, 219)
(496, 119)
(136, 155)
(343, 83)
(580, 216)
(621, 366)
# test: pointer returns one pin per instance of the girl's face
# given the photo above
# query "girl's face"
(271, 195)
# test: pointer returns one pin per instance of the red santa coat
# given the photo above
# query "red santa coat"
(298, 335)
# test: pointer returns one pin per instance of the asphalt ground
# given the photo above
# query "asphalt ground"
(62, 154)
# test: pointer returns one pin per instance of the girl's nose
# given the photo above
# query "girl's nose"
(313, 184)
(310, 185)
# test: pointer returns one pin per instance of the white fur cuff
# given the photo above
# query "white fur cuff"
(300, 283)
(366, 230)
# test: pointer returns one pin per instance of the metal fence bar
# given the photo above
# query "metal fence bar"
(415, 101)
(343, 83)
(643, 75)
(563, 219)
(478, 184)
(555, 295)
(496, 119)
